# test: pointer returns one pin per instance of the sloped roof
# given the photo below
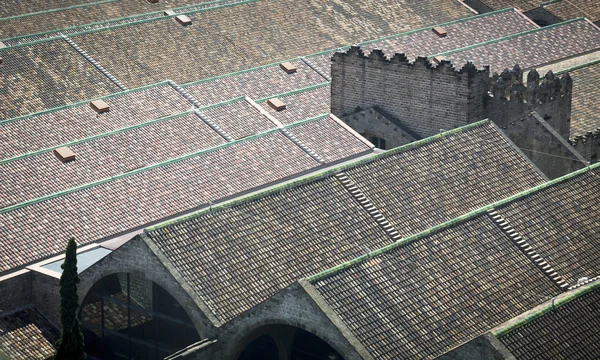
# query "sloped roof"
(18, 18)
(531, 48)
(47, 75)
(460, 33)
(430, 292)
(108, 206)
(425, 182)
(566, 330)
(26, 334)
(585, 108)
(522, 4)
(561, 225)
(427, 296)
(574, 8)
(236, 256)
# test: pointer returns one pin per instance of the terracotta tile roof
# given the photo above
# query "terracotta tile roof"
(461, 33)
(26, 335)
(567, 331)
(45, 17)
(426, 180)
(257, 83)
(40, 175)
(585, 111)
(522, 4)
(435, 292)
(570, 9)
(561, 225)
(303, 105)
(533, 48)
(259, 246)
(246, 38)
(34, 78)
(130, 200)
(239, 119)
(329, 139)
(72, 123)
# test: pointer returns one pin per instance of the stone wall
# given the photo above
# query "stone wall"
(484, 347)
(293, 307)
(553, 155)
(372, 122)
(46, 296)
(423, 98)
(136, 258)
(15, 290)
(588, 145)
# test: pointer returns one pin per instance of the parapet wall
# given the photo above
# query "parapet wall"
(422, 97)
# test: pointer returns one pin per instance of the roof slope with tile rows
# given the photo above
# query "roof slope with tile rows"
(27, 334)
(425, 181)
(47, 75)
(568, 9)
(33, 17)
(561, 225)
(459, 34)
(253, 34)
(38, 228)
(521, 4)
(255, 82)
(585, 108)
(532, 48)
(567, 331)
(435, 292)
(294, 220)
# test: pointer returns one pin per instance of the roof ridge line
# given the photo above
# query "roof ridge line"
(79, 103)
(135, 171)
(458, 21)
(48, 11)
(550, 305)
(577, 67)
(323, 174)
(509, 37)
(299, 58)
(140, 21)
(94, 63)
(294, 92)
(468, 216)
(97, 136)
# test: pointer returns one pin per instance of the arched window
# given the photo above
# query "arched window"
(126, 316)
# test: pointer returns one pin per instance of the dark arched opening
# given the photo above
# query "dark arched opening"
(284, 342)
(126, 316)
(262, 348)
(375, 140)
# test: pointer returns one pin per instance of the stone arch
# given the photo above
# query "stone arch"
(136, 258)
(283, 332)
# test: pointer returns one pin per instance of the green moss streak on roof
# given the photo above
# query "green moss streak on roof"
(509, 37)
(125, 92)
(577, 67)
(469, 216)
(318, 176)
(57, 9)
(81, 141)
(143, 169)
(141, 21)
(222, 103)
(537, 314)
(294, 92)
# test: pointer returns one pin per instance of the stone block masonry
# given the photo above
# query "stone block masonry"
(423, 98)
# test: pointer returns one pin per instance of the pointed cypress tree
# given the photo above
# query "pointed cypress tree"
(70, 345)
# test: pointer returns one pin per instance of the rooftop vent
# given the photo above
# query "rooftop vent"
(440, 31)
(184, 20)
(439, 59)
(99, 106)
(288, 67)
(276, 104)
(153, 1)
(64, 154)
(169, 12)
